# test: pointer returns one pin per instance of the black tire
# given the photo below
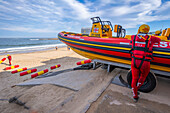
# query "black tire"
(149, 84)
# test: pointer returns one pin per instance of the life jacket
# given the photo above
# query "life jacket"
(9, 58)
(141, 49)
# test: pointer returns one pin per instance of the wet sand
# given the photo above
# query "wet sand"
(118, 99)
(97, 96)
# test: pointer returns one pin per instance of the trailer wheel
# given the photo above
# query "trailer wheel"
(149, 84)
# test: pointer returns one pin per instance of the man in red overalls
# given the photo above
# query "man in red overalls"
(9, 58)
(141, 52)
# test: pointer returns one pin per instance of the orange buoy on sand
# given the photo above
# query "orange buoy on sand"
(19, 70)
(56, 66)
(28, 72)
(2, 60)
(39, 73)
(11, 67)
(84, 62)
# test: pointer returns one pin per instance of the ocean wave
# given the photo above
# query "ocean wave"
(34, 39)
(12, 45)
(18, 49)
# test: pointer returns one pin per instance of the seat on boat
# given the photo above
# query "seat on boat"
(165, 34)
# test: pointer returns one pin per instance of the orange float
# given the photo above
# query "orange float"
(84, 62)
(39, 73)
(19, 70)
(11, 67)
(28, 72)
(56, 66)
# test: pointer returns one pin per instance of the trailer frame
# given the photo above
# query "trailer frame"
(97, 62)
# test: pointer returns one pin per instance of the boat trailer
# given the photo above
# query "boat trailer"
(149, 84)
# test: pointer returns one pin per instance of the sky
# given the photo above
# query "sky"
(46, 18)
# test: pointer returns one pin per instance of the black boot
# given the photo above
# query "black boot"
(138, 93)
(135, 99)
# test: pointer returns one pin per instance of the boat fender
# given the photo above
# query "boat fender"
(19, 70)
(39, 73)
(54, 67)
(11, 67)
(28, 72)
(2, 60)
(84, 62)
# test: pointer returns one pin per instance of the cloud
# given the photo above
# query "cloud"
(30, 30)
(78, 9)
(135, 12)
(4, 2)
(52, 16)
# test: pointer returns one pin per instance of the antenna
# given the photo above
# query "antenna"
(162, 27)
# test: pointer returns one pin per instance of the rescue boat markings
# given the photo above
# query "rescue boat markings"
(124, 43)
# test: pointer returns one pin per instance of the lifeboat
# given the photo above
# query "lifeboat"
(100, 44)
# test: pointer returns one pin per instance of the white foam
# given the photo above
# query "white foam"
(34, 39)
(41, 47)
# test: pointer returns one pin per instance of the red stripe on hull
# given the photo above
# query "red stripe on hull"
(115, 53)
(121, 54)
(161, 60)
(163, 44)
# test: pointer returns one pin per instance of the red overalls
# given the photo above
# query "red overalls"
(9, 58)
(141, 56)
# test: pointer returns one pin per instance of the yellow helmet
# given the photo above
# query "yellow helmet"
(8, 54)
(158, 32)
(144, 28)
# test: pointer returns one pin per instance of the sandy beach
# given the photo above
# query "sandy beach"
(96, 96)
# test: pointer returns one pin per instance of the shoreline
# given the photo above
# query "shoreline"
(22, 45)
(30, 51)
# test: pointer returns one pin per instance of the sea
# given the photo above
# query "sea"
(22, 45)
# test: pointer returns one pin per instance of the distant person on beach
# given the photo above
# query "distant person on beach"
(9, 58)
(141, 53)
(56, 47)
(68, 48)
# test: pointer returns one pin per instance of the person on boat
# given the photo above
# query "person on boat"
(141, 53)
(9, 58)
